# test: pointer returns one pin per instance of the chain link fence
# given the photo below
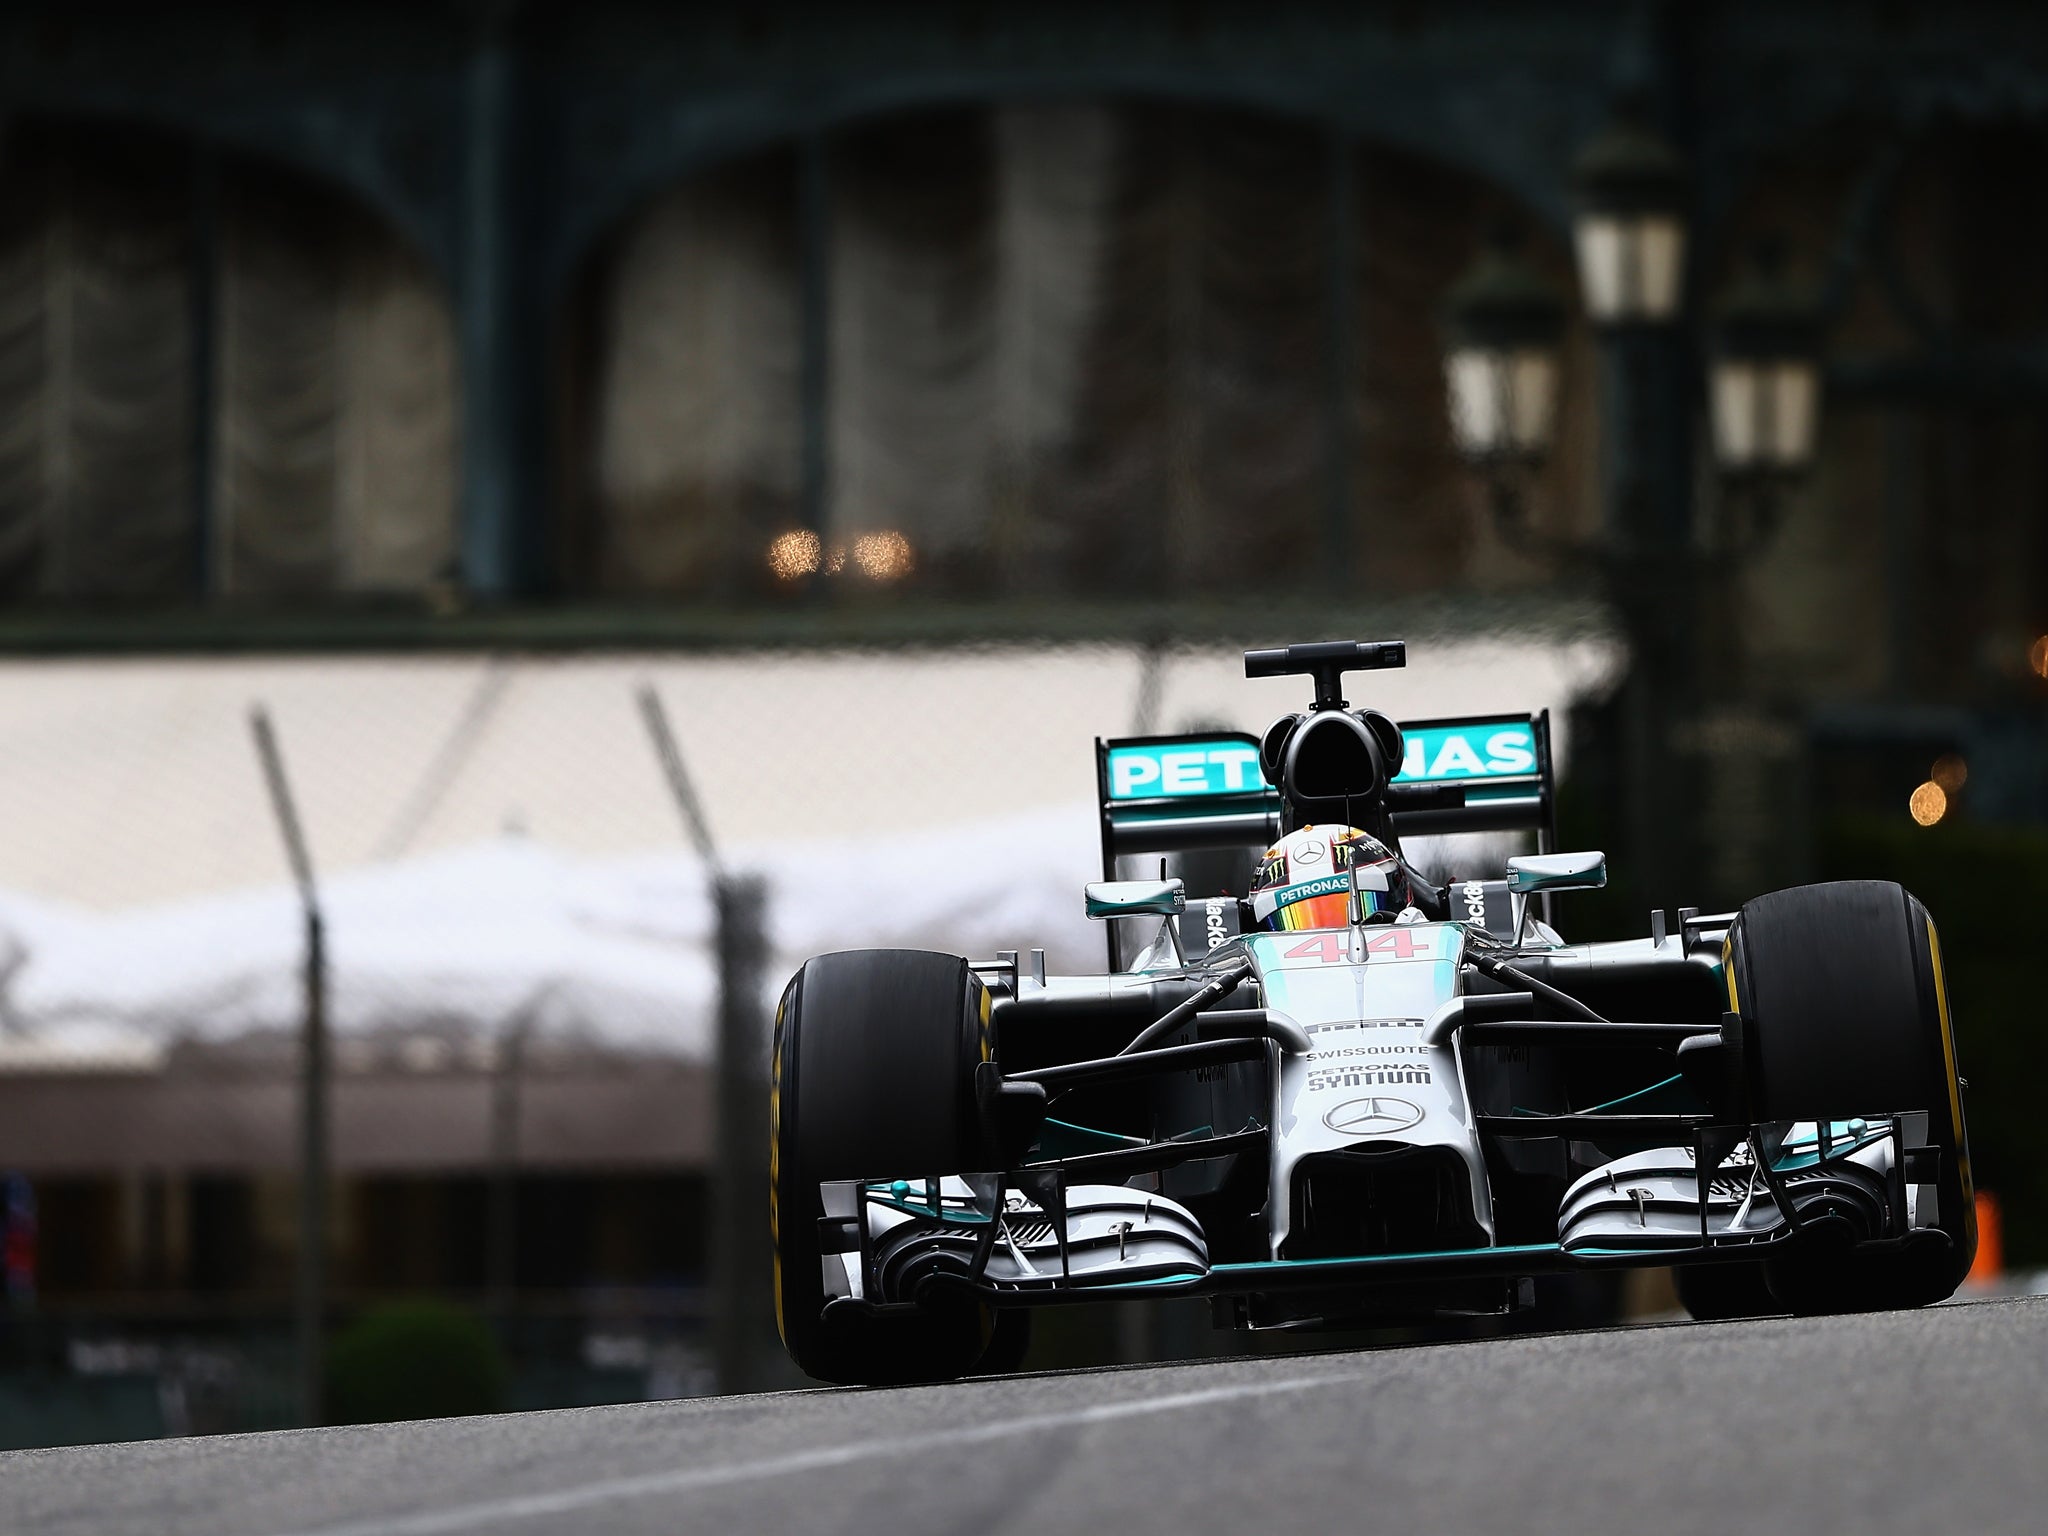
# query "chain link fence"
(522, 978)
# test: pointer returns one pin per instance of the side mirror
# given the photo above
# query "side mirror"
(1137, 898)
(1532, 874)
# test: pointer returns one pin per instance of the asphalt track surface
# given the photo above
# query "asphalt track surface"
(1925, 1422)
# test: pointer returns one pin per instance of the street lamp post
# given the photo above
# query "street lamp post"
(1631, 235)
(1763, 409)
(1763, 390)
(1629, 231)
(1501, 371)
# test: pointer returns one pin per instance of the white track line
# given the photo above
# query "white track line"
(462, 1517)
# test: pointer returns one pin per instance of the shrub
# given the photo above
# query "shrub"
(414, 1360)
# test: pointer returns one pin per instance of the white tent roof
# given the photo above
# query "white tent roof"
(470, 944)
(497, 848)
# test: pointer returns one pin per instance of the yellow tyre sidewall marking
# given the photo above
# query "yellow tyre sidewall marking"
(1955, 1091)
(988, 1316)
(775, 1168)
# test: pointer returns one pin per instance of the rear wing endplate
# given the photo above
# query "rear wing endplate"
(1177, 794)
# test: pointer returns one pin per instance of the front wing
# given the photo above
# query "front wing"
(1035, 1236)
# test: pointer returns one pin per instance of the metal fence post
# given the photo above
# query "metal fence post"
(742, 1312)
(501, 1217)
(310, 1296)
(741, 1282)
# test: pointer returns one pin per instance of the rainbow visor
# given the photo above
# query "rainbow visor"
(1323, 902)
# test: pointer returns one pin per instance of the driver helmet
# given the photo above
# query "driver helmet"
(1304, 880)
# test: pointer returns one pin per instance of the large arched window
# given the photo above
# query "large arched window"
(690, 454)
(1076, 348)
(216, 378)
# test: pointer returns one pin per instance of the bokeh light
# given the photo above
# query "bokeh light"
(1929, 803)
(2037, 656)
(883, 556)
(1950, 772)
(793, 554)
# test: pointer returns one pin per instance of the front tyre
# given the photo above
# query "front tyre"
(1846, 1014)
(1719, 1293)
(872, 1077)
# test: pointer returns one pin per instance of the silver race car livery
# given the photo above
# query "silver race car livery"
(1386, 1114)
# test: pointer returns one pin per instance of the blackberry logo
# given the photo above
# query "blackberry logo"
(1475, 902)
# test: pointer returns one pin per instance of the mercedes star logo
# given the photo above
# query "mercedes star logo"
(1376, 1116)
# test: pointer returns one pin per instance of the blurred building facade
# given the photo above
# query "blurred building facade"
(458, 304)
(496, 327)
(364, 323)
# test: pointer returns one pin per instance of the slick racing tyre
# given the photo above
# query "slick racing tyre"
(873, 1075)
(1846, 1014)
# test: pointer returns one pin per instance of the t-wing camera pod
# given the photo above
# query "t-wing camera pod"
(1326, 760)
(1327, 661)
(1334, 763)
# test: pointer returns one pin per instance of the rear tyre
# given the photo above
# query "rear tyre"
(872, 1077)
(1841, 990)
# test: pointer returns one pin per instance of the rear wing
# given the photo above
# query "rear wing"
(1177, 794)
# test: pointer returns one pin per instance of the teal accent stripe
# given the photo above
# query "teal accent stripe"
(1068, 1139)
(1254, 1269)
(1270, 1266)
(1194, 810)
(912, 1208)
(1639, 1093)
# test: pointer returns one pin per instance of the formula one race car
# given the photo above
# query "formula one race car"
(1339, 1095)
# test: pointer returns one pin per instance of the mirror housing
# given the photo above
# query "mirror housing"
(1535, 873)
(1137, 898)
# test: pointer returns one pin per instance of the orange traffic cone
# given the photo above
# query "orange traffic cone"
(1990, 1262)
